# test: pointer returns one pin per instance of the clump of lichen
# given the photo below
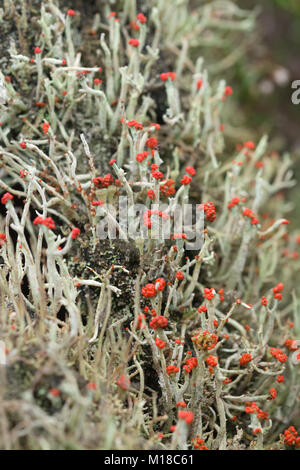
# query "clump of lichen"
(139, 342)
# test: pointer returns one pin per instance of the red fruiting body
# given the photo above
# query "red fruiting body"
(177, 236)
(280, 379)
(245, 359)
(151, 194)
(46, 127)
(160, 343)
(3, 238)
(23, 145)
(185, 180)
(123, 382)
(6, 197)
(135, 124)
(37, 50)
(290, 437)
(75, 233)
(97, 203)
(264, 301)
(140, 321)
(199, 84)
(179, 275)
(164, 76)
(141, 18)
(71, 13)
(167, 189)
(158, 322)
(228, 91)
(152, 142)
(212, 361)
(141, 156)
(171, 370)
(188, 416)
(273, 393)
(278, 354)
(160, 284)
(209, 210)
(182, 404)
(47, 222)
(201, 309)
(134, 42)
(91, 386)
(190, 170)
(149, 290)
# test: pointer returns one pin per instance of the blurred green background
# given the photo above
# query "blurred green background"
(264, 77)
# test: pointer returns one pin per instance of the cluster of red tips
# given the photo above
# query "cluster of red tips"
(179, 275)
(158, 322)
(202, 309)
(187, 416)
(277, 291)
(234, 201)
(211, 361)
(186, 180)
(245, 359)
(168, 75)
(199, 84)
(291, 344)
(152, 142)
(221, 295)
(47, 222)
(171, 370)
(160, 284)
(160, 343)
(209, 293)
(37, 50)
(75, 233)
(249, 145)
(264, 301)
(273, 393)
(155, 173)
(97, 203)
(140, 157)
(181, 404)
(45, 127)
(140, 321)
(278, 354)
(137, 125)
(123, 382)
(179, 236)
(91, 386)
(141, 18)
(71, 13)
(249, 213)
(6, 197)
(191, 363)
(23, 145)
(149, 290)
(105, 181)
(199, 443)
(3, 238)
(291, 437)
(209, 210)
(167, 189)
(151, 194)
(190, 170)
(134, 42)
